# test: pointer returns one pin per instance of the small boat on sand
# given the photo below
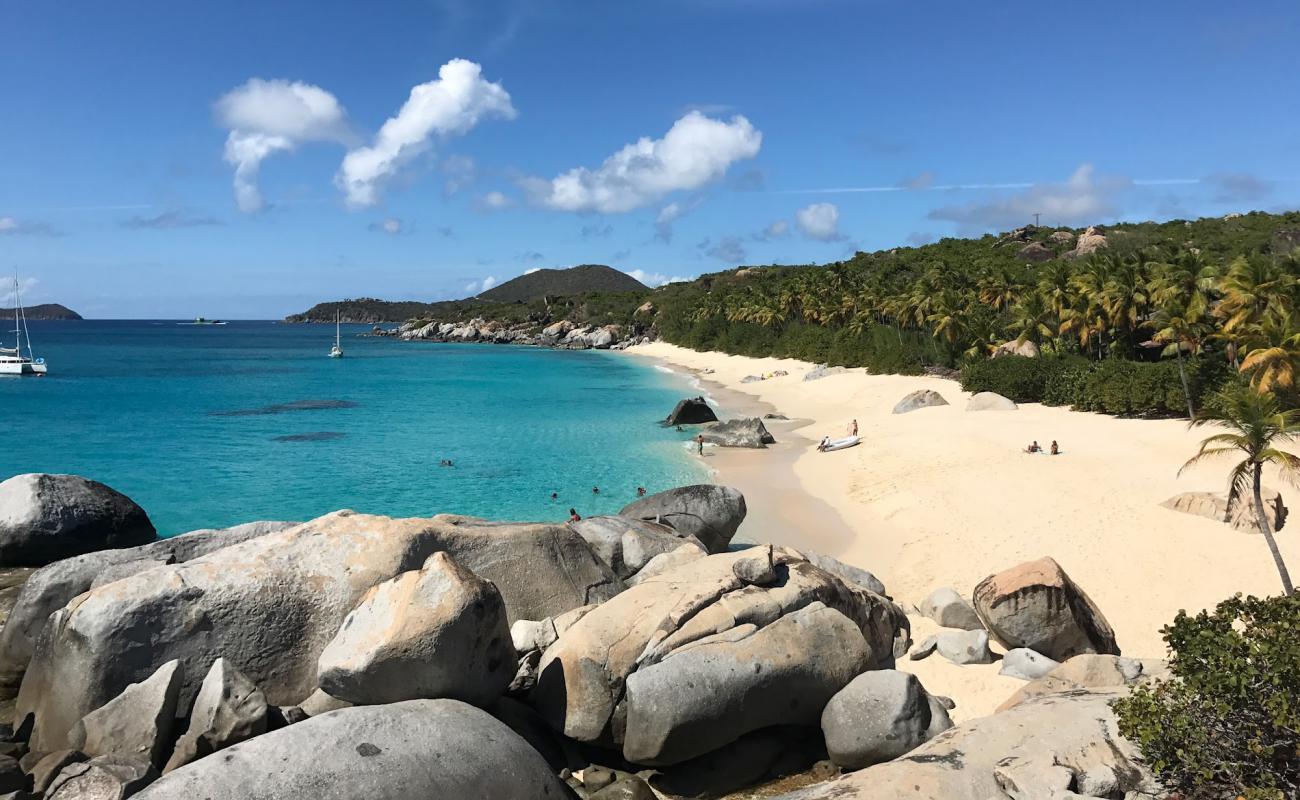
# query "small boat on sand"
(839, 444)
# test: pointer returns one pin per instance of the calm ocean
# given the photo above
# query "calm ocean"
(212, 426)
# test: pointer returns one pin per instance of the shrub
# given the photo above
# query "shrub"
(1228, 722)
(1024, 380)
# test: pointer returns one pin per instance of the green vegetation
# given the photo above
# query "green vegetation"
(1228, 723)
(582, 279)
(42, 311)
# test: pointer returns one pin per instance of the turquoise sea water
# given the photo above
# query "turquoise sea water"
(212, 426)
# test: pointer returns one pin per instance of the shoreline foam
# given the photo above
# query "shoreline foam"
(944, 497)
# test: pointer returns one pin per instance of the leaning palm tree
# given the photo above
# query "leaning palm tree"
(1256, 425)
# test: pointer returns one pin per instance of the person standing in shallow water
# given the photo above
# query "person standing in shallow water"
(699, 444)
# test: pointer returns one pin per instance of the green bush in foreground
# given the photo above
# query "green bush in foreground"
(1228, 723)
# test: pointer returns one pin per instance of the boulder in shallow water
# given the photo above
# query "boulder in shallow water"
(44, 518)
(880, 716)
(708, 512)
(691, 411)
(989, 401)
(228, 709)
(1036, 605)
(137, 724)
(921, 398)
(273, 603)
(399, 751)
(738, 433)
(51, 587)
(439, 631)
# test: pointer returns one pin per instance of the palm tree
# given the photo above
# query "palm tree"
(1274, 355)
(1256, 425)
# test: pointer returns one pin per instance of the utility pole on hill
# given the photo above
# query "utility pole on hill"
(1036, 216)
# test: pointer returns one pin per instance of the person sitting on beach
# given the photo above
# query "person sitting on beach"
(1056, 451)
(1034, 448)
(822, 445)
(574, 516)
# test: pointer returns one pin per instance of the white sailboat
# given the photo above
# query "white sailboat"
(12, 360)
(337, 350)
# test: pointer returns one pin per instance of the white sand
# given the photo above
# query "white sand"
(942, 496)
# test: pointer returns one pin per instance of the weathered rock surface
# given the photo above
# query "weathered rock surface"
(436, 632)
(709, 513)
(401, 751)
(1062, 238)
(921, 398)
(1026, 664)
(1089, 242)
(989, 401)
(101, 778)
(1241, 517)
(1036, 605)
(950, 610)
(666, 562)
(964, 647)
(756, 757)
(738, 433)
(822, 371)
(879, 716)
(51, 764)
(854, 576)
(1090, 671)
(228, 709)
(626, 544)
(691, 411)
(1035, 253)
(137, 724)
(977, 760)
(272, 604)
(679, 664)
(51, 587)
(45, 517)
(1025, 349)
(12, 778)
(628, 787)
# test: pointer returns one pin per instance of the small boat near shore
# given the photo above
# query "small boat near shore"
(839, 444)
(12, 360)
(337, 350)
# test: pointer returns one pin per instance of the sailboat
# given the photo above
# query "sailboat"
(12, 360)
(337, 350)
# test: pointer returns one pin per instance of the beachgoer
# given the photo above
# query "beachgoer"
(680, 428)
(853, 428)
(640, 491)
(1056, 451)
(574, 516)
(555, 496)
(699, 444)
(823, 444)
(595, 490)
(1034, 448)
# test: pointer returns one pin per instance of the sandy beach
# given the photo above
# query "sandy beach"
(945, 497)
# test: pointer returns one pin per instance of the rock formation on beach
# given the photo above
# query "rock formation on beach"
(364, 656)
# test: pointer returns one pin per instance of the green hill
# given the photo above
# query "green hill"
(583, 279)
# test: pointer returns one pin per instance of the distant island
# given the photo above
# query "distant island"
(43, 312)
(533, 288)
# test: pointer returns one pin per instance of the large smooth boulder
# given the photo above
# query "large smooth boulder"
(135, 725)
(964, 647)
(950, 610)
(273, 603)
(822, 371)
(738, 433)
(1036, 605)
(400, 751)
(879, 716)
(1090, 671)
(440, 631)
(101, 778)
(50, 588)
(45, 517)
(1036, 253)
(1015, 347)
(689, 660)
(989, 401)
(854, 576)
(1026, 665)
(228, 709)
(1241, 516)
(1029, 749)
(691, 411)
(709, 513)
(921, 398)
(628, 544)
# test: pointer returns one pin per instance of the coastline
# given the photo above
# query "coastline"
(943, 497)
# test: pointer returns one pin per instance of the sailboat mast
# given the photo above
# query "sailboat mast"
(26, 332)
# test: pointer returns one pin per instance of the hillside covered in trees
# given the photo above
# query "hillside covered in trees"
(582, 279)
(43, 311)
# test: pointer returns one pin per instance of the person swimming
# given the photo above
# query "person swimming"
(555, 496)
(640, 491)
(574, 516)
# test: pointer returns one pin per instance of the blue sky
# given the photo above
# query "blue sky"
(164, 159)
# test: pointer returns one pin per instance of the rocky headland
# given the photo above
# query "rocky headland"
(640, 655)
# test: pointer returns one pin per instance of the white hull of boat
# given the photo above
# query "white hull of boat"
(18, 368)
(841, 444)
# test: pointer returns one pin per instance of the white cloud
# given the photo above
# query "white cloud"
(25, 285)
(654, 279)
(266, 117)
(494, 201)
(694, 152)
(10, 226)
(777, 230)
(1082, 199)
(450, 105)
(820, 221)
(478, 287)
(391, 226)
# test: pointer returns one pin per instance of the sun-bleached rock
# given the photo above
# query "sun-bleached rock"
(708, 512)
(950, 610)
(228, 709)
(921, 398)
(1037, 605)
(1241, 517)
(135, 725)
(989, 401)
